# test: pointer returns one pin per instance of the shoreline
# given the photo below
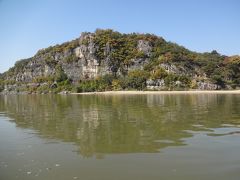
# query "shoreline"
(134, 92)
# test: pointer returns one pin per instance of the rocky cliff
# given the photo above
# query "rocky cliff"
(130, 61)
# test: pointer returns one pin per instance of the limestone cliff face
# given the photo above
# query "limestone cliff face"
(104, 52)
(78, 62)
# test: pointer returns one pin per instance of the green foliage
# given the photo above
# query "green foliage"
(120, 51)
(123, 82)
(87, 86)
(60, 74)
(102, 83)
(10, 82)
(42, 79)
(67, 46)
(172, 79)
(105, 81)
(137, 79)
(49, 60)
(217, 79)
(151, 65)
(185, 81)
(231, 70)
(70, 59)
(116, 84)
(65, 85)
(85, 42)
(1, 85)
(158, 73)
(42, 89)
(18, 67)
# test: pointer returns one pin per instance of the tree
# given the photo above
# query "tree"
(217, 79)
(158, 73)
(1, 85)
(60, 74)
(137, 79)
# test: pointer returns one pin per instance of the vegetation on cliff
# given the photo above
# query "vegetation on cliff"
(109, 60)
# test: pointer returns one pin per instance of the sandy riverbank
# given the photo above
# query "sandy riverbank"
(161, 92)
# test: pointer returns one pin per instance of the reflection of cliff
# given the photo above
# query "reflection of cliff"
(120, 124)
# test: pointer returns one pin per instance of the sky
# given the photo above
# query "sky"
(27, 26)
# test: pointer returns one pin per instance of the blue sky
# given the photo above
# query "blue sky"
(27, 26)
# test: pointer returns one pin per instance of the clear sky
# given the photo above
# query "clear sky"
(200, 25)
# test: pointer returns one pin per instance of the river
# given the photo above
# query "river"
(116, 137)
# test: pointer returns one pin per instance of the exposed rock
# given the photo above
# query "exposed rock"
(170, 68)
(157, 84)
(34, 85)
(207, 86)
(80, 60)
(64, 92)
(145, 47)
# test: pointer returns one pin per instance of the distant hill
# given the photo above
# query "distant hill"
(109, 60)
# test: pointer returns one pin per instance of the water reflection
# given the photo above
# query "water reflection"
(107, 124)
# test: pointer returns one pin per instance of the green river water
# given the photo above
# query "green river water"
(120, 137)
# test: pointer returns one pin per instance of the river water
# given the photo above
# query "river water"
(116, 137)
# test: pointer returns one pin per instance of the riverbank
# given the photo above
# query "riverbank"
(160, 92)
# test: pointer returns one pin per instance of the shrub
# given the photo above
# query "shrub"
(87, 86)
(170, 80)
(63, 86)
(43, 88)
(106, 79)
(19, 65)
(1, 84)
(123, 82)
(137, 79)
(50, 61)
(60, 74)
(116, 84)
(71, 58)
(1, 87)
(42, 79)
(185, 81)
(217, 79)
(158, 73)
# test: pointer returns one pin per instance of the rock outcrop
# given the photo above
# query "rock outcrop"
(93, 55)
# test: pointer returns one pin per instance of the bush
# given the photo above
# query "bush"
(106, 79)
(185, 81)
(123, 82)
(43, 88)
(102, 83)
(1, 88)
(70, 59)
(19, 65)
(116, 85)
(217, 79)
(137, 79)
(158, 73)
(42, 79)
(170, 80)
(87, 86)
(1, 85)
(60, 74)
(50, 61)
(63, 86)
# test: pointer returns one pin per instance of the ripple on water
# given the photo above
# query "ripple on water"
(224, 131)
